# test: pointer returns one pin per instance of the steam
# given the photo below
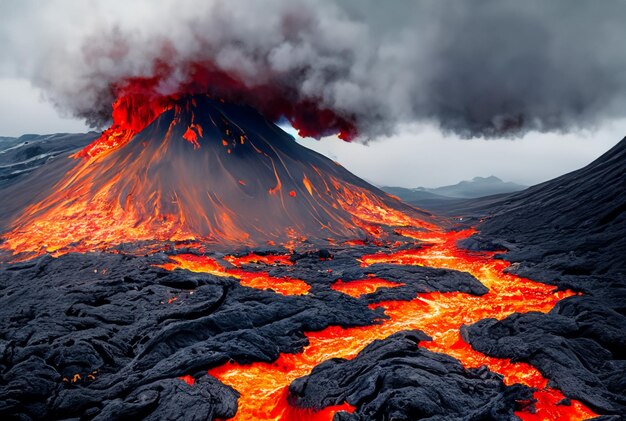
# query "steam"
(484, 68)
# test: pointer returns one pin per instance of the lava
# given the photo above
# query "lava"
(258, 280)
(263, 386)
(360, 287)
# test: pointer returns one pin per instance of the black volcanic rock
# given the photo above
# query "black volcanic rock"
(394, 379)
(172, 399)
(580, 345)
(321, 274)
(569, 232)
(112, 319)
(575, 223)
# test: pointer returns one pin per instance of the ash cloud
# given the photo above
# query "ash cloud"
(485, 68)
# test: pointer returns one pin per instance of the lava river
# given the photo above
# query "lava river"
(263, 387)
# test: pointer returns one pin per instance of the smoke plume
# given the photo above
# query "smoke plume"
(481, 68)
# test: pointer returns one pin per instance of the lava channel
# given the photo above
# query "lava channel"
(263, 386)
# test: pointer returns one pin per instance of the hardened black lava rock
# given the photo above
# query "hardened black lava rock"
(575, 224)
(580, 346)
(394, 379)
(569, 232)
(344, 265)
(106, 336)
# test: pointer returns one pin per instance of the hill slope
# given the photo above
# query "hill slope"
(576, 221)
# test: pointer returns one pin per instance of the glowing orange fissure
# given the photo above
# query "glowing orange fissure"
(263, 386)
(258, 280)
(361, 287)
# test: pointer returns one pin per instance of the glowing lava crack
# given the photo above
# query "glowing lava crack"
(263, 386)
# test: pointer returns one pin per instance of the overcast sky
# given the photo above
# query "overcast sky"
(420, 155)
(439, 91)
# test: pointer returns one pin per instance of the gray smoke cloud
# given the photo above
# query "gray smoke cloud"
(477, 68)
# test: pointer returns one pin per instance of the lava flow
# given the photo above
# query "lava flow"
(259, 280)
(263, 386)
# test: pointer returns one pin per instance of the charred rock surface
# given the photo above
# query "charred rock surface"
(322, 273)
(569, 232)
(103, 336)
(580, 345)
(396, 379)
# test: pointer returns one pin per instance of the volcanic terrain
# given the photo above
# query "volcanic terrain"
(194, 262)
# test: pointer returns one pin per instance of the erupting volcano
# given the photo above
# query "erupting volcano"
(195, 262)
(198, 169)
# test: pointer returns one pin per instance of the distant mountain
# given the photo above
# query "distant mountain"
(19, 156)
(477, 187)
(414, 195)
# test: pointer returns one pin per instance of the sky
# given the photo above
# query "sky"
(438, 91)
(421, 156)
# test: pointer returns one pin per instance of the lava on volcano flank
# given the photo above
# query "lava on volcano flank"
(194, 168)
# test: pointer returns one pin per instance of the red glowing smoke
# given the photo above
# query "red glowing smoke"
(140, 100)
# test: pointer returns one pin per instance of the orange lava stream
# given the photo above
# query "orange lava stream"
(270, 259)
(263, 386)
(258, 280)
(362, 286)
(369, 209)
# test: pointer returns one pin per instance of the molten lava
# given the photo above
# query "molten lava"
(258, 280)
(263, 386)
(362, 286)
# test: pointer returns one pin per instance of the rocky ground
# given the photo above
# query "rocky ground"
(107, 318)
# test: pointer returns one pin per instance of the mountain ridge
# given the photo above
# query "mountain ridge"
(465, 189)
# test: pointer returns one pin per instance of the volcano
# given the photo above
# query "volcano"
(209, 171)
